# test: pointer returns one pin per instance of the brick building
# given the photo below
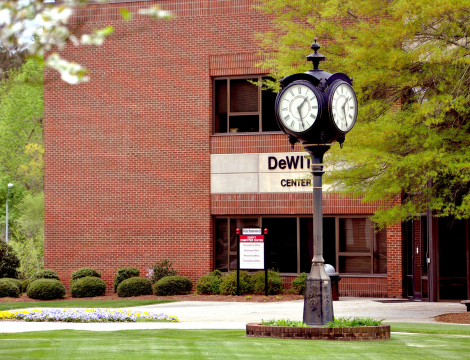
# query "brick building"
(170, 148)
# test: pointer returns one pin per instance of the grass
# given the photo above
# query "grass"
(103, 304)
(228, 344)
(449, 329)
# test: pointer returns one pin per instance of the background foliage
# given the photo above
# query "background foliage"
(22, 159)
(410, 62)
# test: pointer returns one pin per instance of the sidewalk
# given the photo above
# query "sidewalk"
(233, 315)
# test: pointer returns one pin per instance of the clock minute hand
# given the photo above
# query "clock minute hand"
(344, 112)
(299, 108)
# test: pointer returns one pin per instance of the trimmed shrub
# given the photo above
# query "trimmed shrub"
(135, 286)
(46, 289)
(44, 274)
(173, 285)
(9, 262)
(8, 288)
(18, 283)
(228, 286)
(24, 285)
(274, 283)
(84, 272)
(298, 284)
(88, 286)
(209, 284)
(124, 274)
(162, 269)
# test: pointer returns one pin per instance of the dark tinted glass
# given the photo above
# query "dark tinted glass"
(354, 235)
(243, 96)
(380, 252)
(281, 244)
(354, 264)
(306, 243)
(239, 224)
(268, 99)
(244, 123)
(221, 244)
(220, 106)
(424, 243)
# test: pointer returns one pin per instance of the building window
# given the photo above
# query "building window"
(241, 106)
(351, 244)
(226, 241)
(361, 249)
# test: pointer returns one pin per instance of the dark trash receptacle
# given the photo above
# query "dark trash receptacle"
(335, 278)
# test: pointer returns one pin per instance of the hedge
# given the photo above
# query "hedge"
(135, 286)
(124, 274)
(46, 289)
(8, 288)
(173, 285)
(88, 286)
(84, 272)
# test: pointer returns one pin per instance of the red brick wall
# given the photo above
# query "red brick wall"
(394, 261)
(127, 173)
(127, 155)
(363, 287)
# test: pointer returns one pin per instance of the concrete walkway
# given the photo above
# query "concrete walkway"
(233, 315)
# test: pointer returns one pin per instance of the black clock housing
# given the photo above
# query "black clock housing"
(322, 83)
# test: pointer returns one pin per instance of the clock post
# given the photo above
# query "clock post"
(317, 108)
(318, 300)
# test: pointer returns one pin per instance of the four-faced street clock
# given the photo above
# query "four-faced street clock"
(316, 106)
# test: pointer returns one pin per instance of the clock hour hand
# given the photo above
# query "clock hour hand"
(300, 115)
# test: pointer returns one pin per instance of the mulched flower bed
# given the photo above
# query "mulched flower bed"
(456, 318)
(191, 297)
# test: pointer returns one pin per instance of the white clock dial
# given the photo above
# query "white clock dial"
(298, 108)
(343, 105)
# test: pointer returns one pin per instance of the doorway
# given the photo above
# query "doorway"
(453, 259)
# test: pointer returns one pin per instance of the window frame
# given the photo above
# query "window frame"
(259, 112)
(298, 217)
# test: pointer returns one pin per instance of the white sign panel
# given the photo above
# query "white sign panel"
(252, 252)
(251, 231)
(260, 173)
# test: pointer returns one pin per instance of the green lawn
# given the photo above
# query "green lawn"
(221, 344)
(103, 304)
(434, 328)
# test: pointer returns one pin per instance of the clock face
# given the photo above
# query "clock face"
(343, 107)
(298, 108)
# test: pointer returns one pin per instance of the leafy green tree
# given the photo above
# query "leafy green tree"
(27, 239)
(8, 261)
(410, 61)
(21, 125)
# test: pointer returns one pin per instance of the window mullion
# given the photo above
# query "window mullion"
(260, 124)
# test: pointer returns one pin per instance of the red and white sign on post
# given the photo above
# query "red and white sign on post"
(252, 250)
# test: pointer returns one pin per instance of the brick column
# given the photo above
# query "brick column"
(394, 261)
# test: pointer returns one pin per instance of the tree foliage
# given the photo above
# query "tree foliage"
(410, 61)
(21, 125)
(27, 237)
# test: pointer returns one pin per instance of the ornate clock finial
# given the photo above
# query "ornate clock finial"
(315, 58)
